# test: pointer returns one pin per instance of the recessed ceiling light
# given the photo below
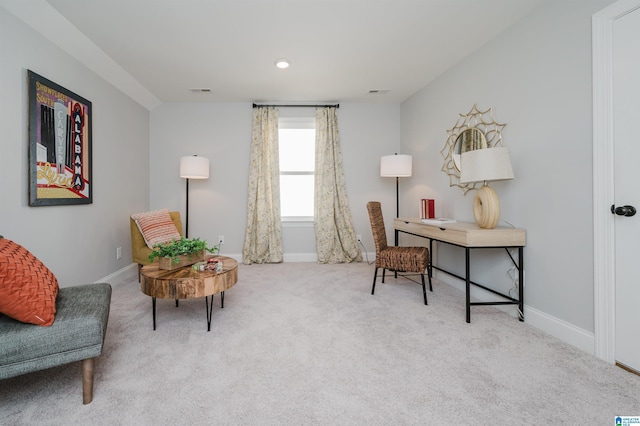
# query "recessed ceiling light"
(379, 91)
(201, 89)
(282, 63)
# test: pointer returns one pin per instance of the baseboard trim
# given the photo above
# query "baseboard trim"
(313, 257)
(567, 332)
(121, 274)
(294, 257)
(549, 324)
(300, 257)
(236, 256)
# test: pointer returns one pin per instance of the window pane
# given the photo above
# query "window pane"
(297, 150)
(296, 195)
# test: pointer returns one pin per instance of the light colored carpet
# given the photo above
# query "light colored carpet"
(306, 344)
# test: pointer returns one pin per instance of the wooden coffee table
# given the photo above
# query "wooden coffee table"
(185, 283)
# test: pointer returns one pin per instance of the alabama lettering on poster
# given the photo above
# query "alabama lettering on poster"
(59, 145)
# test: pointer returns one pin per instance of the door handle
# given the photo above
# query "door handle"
(623, 210)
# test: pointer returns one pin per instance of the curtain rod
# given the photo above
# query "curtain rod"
(297, 106)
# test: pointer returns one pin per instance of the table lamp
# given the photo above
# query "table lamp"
(192, 167)
(484, 165)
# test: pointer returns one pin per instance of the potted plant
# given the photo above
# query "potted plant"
(182, 252)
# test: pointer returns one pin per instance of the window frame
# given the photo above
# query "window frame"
(297, 123)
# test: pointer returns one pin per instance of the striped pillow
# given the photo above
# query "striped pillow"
(156, 227)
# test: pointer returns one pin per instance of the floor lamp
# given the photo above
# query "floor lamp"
(192, 167)
(396, 166)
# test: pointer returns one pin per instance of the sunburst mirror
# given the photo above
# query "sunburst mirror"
(473, 130)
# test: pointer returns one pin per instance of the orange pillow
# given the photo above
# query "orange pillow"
(156, 227)
(28, 289)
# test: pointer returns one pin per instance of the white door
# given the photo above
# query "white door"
(626, 128)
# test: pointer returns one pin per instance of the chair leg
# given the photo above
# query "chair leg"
(383, 272)
(375, 275)
(87, 380)
(424, 289)
(139, 271)
(430, 286)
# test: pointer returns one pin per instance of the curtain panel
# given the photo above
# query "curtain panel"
(336, 240)
(263, 234)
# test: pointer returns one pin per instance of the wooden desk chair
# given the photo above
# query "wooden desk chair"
(394, 258)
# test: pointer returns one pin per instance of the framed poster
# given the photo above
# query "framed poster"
(59, 145)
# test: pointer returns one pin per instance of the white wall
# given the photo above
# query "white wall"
(78, 243)
(222, 132)
(537, 78)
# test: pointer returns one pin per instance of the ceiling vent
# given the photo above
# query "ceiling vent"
(201, 90)
(379, 91)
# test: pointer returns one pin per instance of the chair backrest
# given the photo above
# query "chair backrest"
(377, 225)
(139, 250)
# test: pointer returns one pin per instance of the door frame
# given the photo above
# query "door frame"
(603, 177)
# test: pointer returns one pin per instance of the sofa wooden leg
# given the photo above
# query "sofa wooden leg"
(87, 380)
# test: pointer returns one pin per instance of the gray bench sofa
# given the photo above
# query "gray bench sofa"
(78, 333)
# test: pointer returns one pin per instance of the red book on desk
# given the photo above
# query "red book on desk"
(427, 208)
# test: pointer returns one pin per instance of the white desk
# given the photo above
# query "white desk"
(470, 236)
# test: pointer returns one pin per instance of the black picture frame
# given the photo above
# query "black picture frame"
(60, 142)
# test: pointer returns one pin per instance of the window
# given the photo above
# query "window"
(297, 139)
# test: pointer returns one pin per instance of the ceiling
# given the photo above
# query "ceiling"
(340, 50)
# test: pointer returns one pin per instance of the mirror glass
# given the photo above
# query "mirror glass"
(468, 140)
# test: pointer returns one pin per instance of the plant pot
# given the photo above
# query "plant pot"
(167, 263)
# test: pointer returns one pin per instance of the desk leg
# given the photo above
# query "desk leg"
(430, 268)
(153, 304)
(222, 301)
(468, 283)
(521, 283)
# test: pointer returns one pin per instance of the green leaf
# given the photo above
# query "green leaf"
(183, 246)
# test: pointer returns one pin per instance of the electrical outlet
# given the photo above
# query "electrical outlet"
(359, 237)
(118, 253)
(220, 239)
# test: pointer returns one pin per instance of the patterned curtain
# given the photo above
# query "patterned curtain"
(336, 240)
(263, 236)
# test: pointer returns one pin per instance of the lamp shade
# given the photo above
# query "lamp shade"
(395, 166)
(481, 165)
(194, 167)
